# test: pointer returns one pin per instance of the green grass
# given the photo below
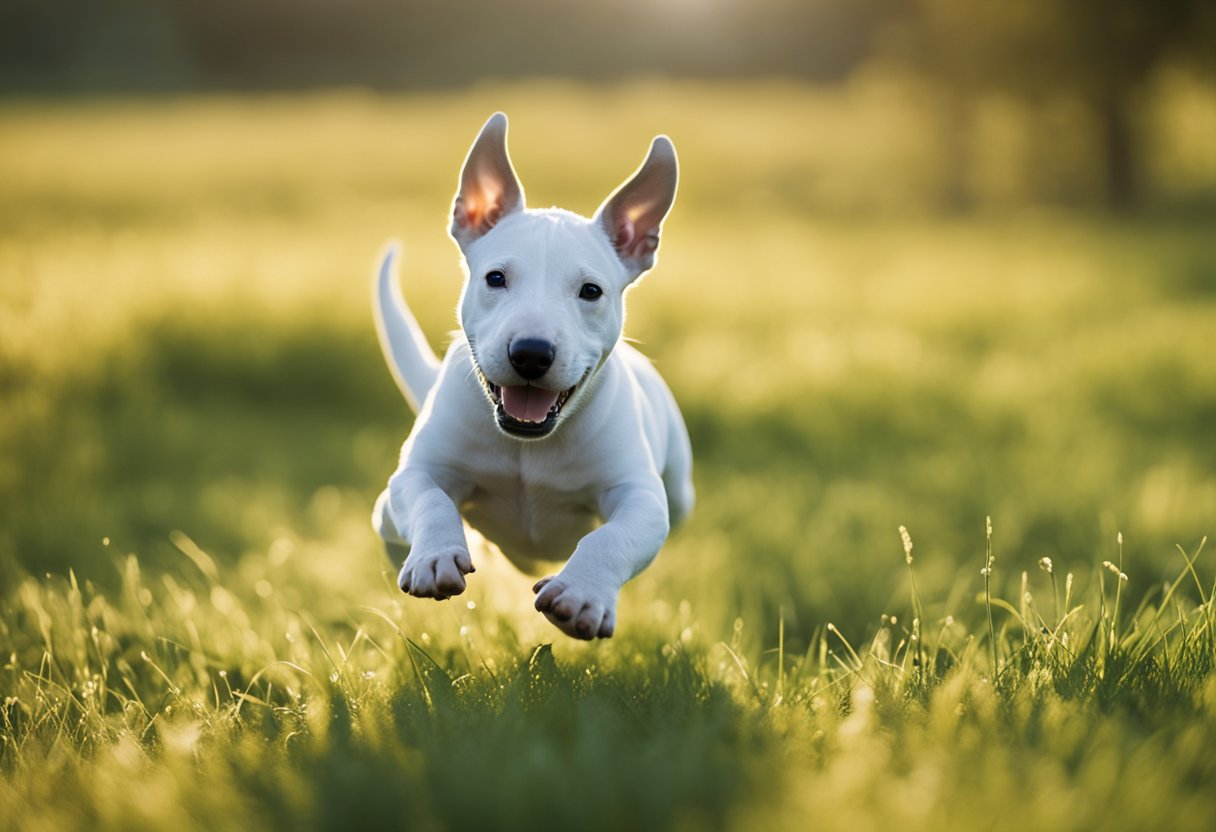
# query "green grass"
(197, 627)
(197, 698)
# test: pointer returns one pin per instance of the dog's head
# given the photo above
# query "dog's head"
(543, 303)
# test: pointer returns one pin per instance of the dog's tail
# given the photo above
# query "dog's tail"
(410, 358)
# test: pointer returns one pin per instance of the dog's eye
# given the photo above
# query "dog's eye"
(590, 292)
(496, 279)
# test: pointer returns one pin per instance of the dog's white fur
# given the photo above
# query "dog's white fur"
(613, 474)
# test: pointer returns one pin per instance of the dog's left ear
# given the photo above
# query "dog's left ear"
(633, 215)
(489, 188)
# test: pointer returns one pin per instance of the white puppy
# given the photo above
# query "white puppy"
(545, 432)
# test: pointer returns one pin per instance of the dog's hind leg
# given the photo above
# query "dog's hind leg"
(677, 482)
(677, 467)
(395, 546)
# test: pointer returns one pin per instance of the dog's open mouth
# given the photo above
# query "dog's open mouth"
(526, 410)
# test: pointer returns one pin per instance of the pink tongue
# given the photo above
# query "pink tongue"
(528, 404)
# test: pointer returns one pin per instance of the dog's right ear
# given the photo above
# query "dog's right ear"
(633, 214)
(489, 189)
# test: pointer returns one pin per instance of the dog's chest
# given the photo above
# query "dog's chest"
(532, 506)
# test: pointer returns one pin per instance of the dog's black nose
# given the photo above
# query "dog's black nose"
(531, 357)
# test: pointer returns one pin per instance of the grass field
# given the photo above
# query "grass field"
(199, 630)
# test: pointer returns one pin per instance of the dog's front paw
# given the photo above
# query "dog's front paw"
(576, 610)
(438, 575)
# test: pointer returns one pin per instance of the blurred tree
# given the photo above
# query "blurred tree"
(1102, 52)
(133, 44)
(1107, 51)
(52, 45)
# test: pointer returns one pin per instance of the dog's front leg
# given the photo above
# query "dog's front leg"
(427, 519)
(581, 599)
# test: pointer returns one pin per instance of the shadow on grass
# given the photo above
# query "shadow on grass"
(539, 746)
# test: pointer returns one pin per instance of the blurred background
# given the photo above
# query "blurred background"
(932, 260)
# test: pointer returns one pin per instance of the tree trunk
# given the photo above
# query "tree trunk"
(956, 196)
(1121, 186)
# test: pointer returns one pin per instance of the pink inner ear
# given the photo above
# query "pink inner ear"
(480, 203)
(626, 231)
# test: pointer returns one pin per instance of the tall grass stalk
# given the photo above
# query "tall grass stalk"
(918, 613)
(989, 560)
(1120, 579)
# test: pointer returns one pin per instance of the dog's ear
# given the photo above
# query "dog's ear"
(489, 189)
(633, 215)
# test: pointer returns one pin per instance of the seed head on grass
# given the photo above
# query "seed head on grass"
(989, 558)
(1046, 565)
